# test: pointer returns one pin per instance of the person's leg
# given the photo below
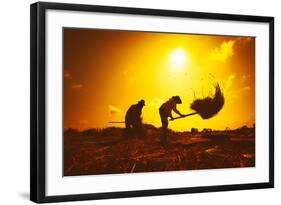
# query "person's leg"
(165, 130)
(136, 129)
(164, 121)
(139, 130)
(127, 129)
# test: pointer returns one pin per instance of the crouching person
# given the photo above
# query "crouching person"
(133, 120)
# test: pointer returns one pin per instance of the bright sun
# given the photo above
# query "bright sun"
(178, 59)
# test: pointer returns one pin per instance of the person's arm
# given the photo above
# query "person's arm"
(176, 111)
(171, 117)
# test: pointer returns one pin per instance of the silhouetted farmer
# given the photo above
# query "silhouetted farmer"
(165, 111)
(133, 119)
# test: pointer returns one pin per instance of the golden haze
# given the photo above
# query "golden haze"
(106, 71)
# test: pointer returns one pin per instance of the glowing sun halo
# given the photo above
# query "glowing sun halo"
(178, 59)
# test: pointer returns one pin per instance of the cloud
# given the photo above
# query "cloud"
(230, 80)
(244, 40)
(114, 110)
(125, 73)
(77, 86)
(155, 102)
(244, 78)
(223, 52)
(246, 88)
(67, 74)
(131, 79)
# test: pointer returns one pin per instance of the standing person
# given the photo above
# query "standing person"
(165, 111)
(133, 120)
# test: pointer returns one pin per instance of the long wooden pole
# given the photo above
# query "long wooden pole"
(194, 113)
(116, 122)
(176, 118)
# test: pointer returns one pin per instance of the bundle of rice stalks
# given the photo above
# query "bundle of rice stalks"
(209, 106)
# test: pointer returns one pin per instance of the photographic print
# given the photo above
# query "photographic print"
(131, 102)
(137, 101)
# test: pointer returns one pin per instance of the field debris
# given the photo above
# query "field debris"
(108, 152)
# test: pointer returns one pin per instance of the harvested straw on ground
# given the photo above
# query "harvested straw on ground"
(209, 106)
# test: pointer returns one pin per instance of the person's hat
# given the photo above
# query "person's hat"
(177, 99)
(141, 102)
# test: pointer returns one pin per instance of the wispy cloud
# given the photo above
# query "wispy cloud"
(246, 88)
(244, 78)
(230, 80)
(125, 73)
(223, 52)
(114, 110)
(77, 86)
(155, 102)
(244, 40)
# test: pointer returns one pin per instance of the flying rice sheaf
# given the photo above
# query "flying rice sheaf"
(209, 106)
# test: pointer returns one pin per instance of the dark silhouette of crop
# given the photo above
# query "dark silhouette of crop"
(209, 106)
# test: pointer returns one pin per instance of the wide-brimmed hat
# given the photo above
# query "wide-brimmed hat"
(177, 99)
(141, 102)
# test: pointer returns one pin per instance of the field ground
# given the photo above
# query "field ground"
(108, 152)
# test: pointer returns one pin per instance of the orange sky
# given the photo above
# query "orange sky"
(106, 71)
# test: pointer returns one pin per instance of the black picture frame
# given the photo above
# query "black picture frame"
(38, 101)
